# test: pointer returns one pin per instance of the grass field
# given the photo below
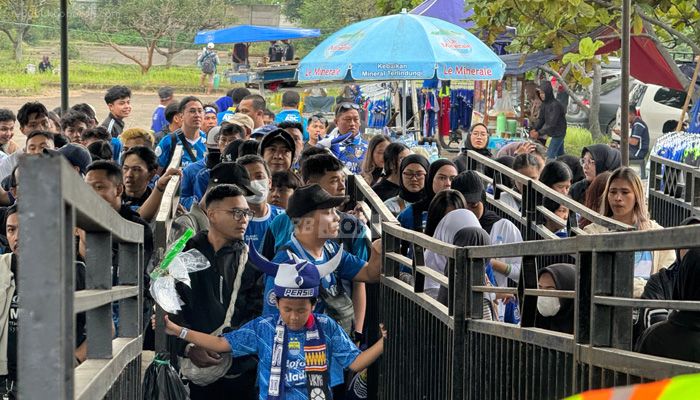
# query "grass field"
(83, 75)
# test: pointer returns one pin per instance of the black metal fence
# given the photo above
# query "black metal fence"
(377, 214)
(674, 191)
(532, 214)
(449, 351)
(56, 203)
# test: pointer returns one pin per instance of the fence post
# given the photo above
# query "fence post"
(459, 291)
(47, 284)
(528, 280)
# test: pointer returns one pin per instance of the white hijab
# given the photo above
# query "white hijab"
(449, 225)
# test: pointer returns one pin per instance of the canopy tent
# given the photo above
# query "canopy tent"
(253, 33)
(451, 11)
(649, 61)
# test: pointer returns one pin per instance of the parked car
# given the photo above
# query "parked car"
(660, 107)
(609, 104)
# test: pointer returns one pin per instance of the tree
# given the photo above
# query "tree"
(557, 24)
(395, 6)
(19, 14)
(157, 23)
(191, 17)
(331, 15)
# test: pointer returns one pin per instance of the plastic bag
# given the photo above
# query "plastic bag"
(163, 287)
(162, 382)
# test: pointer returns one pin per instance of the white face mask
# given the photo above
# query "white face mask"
(548, 306)
(261, 185)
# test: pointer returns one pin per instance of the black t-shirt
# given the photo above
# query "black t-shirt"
(13, 325)
(386, 189)
(136, 202)
(13, 317)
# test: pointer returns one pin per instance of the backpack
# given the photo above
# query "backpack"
(208, 65)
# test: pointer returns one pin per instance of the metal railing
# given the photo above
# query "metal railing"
(377, 214)
(532, 215)
(458, 355)
(674, 191)
(55, 203)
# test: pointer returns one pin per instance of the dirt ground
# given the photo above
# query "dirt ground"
(143, 104)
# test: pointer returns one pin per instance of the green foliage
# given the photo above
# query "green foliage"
(577, 138)
(395, 6)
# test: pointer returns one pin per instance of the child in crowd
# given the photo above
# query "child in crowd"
(302, 355)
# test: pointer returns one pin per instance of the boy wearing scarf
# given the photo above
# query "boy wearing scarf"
(302, 355)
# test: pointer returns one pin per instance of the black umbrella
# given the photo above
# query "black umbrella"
(162, 382)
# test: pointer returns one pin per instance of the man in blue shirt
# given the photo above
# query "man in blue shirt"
(264, 213)
(639, 135)
(345, 141)
(290, 111)
(158, 121)
(316, 224)
(196, 179)
(227, 104)
(189, 136)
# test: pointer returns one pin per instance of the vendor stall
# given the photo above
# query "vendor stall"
(265, 73)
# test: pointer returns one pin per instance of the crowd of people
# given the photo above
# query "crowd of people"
(289, 253)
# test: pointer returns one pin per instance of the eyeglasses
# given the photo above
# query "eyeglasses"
(238, 213)
(585, 162)
(346, 106)
(416, 175)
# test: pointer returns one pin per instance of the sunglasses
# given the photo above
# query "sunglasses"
(346, 106)
(318, 119)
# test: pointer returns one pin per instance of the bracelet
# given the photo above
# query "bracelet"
(183, 333)
(509, 268)
(159, 189)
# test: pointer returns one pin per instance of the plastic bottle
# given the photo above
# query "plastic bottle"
(434, 152)
(501, 124)
(173, 251)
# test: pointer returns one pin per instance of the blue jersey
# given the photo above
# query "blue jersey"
(158, 122)
(163, 150)
(189, 180)
(351, 153)
(405, 218)
(257, 337)
(349, 266)
(201, 183)
(116, 150)
(292, 116)
(257, 227)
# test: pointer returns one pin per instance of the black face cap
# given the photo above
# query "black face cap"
(311, 198)
(470, 185)
(278, 135)
(231, 173)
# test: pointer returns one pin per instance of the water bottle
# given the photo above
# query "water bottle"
(434, 152)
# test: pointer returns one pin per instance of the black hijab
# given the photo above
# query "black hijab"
(429, 194)
(472, 236)
(468, 146)
(564, 279)
(404, 193)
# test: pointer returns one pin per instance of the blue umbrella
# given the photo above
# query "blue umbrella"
(401, 47)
